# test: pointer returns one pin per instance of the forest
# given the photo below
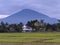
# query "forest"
(37, 26)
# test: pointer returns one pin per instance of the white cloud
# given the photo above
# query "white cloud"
(3, 16)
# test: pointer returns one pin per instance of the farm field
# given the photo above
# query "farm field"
(40, 38)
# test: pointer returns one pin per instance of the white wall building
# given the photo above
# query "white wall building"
(27, 29)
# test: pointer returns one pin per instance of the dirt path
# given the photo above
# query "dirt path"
(29, 43)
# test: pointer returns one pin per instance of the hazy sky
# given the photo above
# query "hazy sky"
(48, 7)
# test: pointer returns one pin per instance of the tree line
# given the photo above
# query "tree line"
(37, 26)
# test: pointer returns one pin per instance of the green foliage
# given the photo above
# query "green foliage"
(30, 37)
(36, 26)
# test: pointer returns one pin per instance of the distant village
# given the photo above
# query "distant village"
(30, 26)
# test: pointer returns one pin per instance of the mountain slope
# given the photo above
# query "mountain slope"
(27, 15)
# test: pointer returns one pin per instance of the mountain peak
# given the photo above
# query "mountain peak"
(28, 15)
(27, 10)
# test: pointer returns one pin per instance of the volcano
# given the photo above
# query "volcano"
(28, 15)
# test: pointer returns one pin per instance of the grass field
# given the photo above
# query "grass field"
(42, 38)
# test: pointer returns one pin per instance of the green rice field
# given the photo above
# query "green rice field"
(40, 38)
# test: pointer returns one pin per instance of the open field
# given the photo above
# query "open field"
(42, 38)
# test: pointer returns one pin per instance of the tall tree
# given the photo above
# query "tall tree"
(19, 27)
(3, 27)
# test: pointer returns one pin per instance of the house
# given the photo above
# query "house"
(27, 29)
(12, 29)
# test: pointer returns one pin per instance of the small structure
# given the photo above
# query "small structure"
(27, 29)
(12, 29)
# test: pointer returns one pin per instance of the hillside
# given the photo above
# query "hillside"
(27, 15)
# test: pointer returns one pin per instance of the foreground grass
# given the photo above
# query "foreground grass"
(30, 37)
